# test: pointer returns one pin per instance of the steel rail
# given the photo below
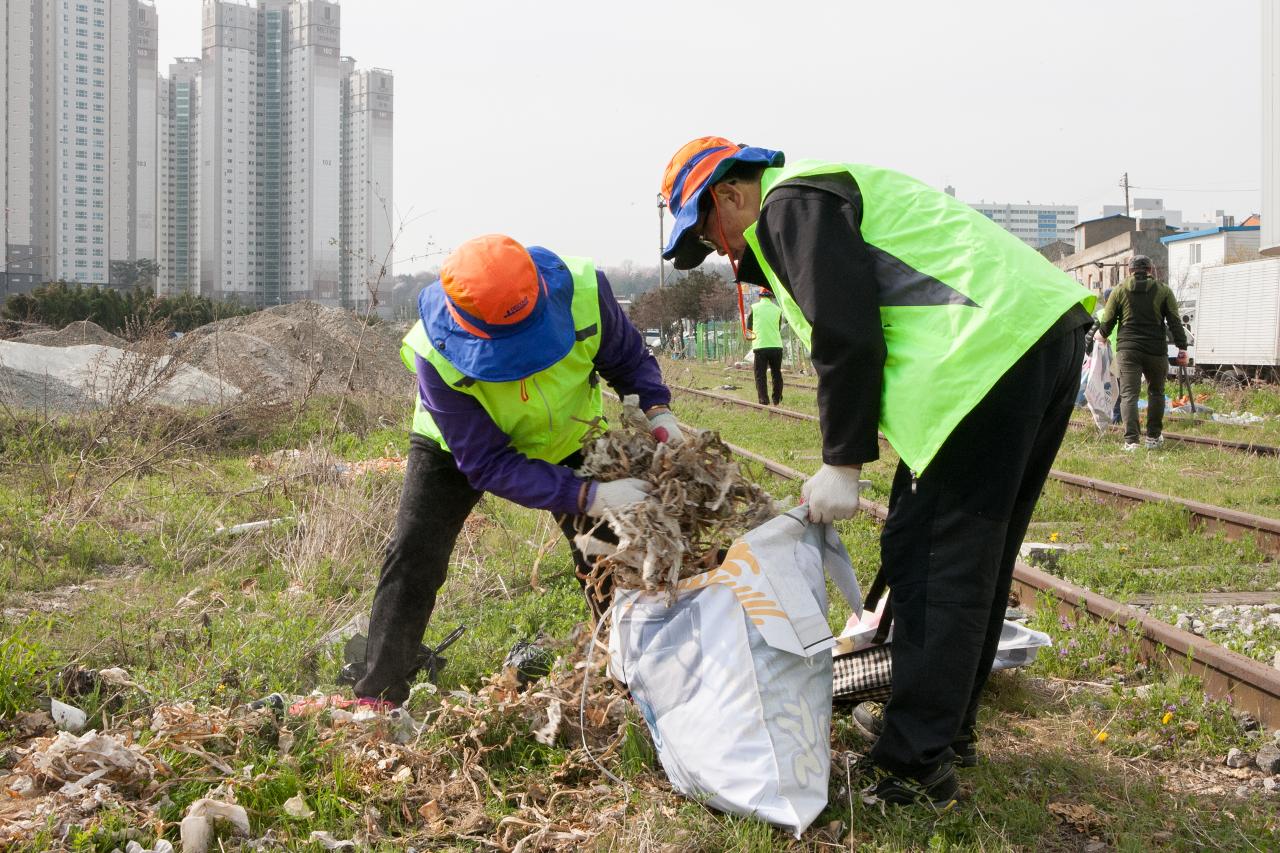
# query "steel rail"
(1207, 441)
(1234, 523)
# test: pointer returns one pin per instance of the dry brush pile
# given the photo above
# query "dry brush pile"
(700, 502)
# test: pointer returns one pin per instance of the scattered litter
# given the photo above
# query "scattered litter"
(67, 717)
(78, 762)
(547, 734)
(1238, 418)
(200, 823)
(274, 701)
(317, 702)
(251, 526)
(700, 501)
(296, 807)
(327, 841)
(528, 661)
(118, 677)
(381, 465)
(161, 846)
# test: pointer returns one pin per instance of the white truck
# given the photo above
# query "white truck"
(1237, 319)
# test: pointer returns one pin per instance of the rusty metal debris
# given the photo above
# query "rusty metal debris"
(700, 502)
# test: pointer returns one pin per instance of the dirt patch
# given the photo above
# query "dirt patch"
(291, 348)
(72, 335)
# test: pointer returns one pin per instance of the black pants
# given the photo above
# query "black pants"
(434, 503)
(768, 358)
(949, 546)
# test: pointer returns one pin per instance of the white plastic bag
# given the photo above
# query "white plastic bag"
(1101, 390)
(734, 678)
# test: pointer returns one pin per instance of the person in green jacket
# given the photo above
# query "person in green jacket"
(765, 332)
(956, 340)
(1142, 307)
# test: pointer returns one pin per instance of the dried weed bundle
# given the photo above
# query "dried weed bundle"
(701, 501)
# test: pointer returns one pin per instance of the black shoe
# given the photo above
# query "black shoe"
(938, 789)
(868, 718)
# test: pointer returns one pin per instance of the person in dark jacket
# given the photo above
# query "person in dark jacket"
(508, 350)
(963, 345)
(1142, 308)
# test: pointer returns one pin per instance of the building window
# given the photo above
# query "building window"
(1193, 253)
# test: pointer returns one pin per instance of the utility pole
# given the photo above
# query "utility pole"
(662, 242)
(1124, 182)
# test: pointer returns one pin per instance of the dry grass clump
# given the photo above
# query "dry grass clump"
(701, 501)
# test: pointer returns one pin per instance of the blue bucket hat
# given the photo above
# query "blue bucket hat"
(500, 312)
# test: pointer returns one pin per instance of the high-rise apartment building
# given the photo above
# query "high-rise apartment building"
(248, 173)
(180, 180)
(367, 226)
(272, 168)
(71, 129)
(147, 133)
(24, 246)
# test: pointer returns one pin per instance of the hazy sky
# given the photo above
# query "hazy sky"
(552, 121)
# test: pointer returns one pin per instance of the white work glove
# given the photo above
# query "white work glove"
(832, 493)
(666, 429)
(616, 494)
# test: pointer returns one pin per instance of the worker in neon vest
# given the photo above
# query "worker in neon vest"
(765, 325)
(507, 352)
(963, 345)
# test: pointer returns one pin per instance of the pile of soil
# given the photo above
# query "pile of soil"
(289, 347)
(74, 335)
(72, 378)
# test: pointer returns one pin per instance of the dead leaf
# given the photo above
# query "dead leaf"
(430, 811)
(1082, 817)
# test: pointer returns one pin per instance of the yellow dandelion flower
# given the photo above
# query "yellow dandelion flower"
(1168, 715)
(1054, 537)
(1101, 737)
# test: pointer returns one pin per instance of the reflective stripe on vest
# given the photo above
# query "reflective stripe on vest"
(546, 414)
(961, 300)
(766, 322)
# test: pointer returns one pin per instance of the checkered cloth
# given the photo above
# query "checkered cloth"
(863, 676)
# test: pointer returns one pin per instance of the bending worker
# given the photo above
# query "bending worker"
(507, 352)
(765, 323)
(963, 345)
(1142, 306)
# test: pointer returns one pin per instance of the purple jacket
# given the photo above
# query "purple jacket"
(483, 451)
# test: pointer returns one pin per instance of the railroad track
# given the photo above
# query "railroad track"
(1266, 531)
(1252, 686)
(1252, 447)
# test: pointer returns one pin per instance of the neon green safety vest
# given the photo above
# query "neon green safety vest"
(546, 414)
(961, 300)
(766, 322)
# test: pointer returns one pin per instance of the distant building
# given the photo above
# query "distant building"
(180, 180)
(1033, 224)
(367, 222)
(1153, 208)
(1192, 252)
(69, 144)
(1105, 249)
(1057, 249)
(275, 212)
(147, 134)
(1252, 219)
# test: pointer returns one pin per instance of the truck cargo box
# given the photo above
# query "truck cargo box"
(1237, 318)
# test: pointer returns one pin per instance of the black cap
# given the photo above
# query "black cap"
(1140, 261)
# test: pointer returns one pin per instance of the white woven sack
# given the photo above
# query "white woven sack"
(734, 678)
(1101, 390)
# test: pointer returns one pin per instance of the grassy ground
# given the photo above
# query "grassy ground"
(109, 556)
